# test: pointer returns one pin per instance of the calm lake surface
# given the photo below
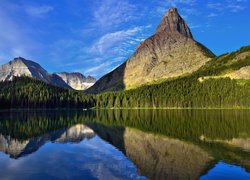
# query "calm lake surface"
(125, 144)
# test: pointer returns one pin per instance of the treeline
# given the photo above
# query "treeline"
(182, 92)
(186, 92)
(25, 92)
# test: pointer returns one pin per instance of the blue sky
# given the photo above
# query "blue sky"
(95, 36)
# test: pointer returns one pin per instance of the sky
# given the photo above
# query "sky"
(95, 36)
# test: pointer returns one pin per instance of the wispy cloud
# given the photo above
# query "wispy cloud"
(113, 48)
(97, 69)
(230, 5)
(177, 2)
(194, 26)
(216, 6)
(236, 8)
(38, 11)
(212, 15)
(111, 13)
(117, 39)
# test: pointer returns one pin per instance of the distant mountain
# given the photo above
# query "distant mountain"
(170, 52)
(77, 80)
(22, 67)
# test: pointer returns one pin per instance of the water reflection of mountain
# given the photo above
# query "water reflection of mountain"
(161, 143)
(18, 148)
(159, 157)
(156, 156)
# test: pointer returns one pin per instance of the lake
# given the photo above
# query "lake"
(125, 144)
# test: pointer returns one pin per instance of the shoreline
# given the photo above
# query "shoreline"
(132, 108)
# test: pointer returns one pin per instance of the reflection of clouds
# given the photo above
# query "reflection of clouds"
(90, 159)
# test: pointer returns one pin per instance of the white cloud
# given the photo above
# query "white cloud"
(194, 26)
(212, 15)
(106, 42)
(97, 68)
(38, 11)
(111, 13)
(229, 5)
(176, 2)
(235, 8)
(217, 6)
(112, 49)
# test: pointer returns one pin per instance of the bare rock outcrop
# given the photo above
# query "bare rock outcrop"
(22, 67)
(77, 80)
(170, 52)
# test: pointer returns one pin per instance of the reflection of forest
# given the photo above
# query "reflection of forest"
(162, 143)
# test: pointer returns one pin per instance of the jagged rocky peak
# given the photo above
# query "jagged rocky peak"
(22, 67)
(172, 22)
(77, 80)
(91, 79)
(170, 52)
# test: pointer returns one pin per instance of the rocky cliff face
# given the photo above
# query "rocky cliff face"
(77, 80)
(22, 67)
(170, 52)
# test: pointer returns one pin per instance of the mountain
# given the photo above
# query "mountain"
(22, 67)
(170, 52)
(223, 82)
(77, 80)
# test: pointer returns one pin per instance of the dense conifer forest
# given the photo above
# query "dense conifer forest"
(214, 91)
(25, 92)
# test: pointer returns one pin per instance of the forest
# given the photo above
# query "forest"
(26, 92)
(187, 91)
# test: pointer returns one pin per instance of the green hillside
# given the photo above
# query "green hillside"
(221, 83)
(25, 92)
(206, 88)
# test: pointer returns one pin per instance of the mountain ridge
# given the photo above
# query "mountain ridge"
(23, 67)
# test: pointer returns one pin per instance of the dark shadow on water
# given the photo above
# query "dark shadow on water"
(112, 134)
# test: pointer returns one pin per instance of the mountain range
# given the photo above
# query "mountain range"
(22, 67)
(170, 54)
